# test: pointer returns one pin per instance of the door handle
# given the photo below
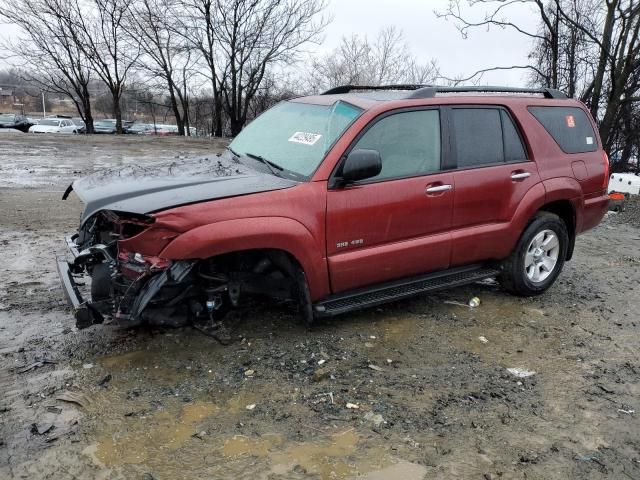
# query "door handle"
(439, 188)
(520, 175)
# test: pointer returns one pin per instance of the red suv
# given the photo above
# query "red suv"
(344, 200)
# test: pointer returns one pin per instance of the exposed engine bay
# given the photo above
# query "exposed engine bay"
(134, 289)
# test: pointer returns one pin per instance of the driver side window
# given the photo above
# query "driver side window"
(408, 142)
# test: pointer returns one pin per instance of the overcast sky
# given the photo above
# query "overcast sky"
(431, 37)
(428, 36)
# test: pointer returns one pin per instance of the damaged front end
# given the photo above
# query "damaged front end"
(102, 278)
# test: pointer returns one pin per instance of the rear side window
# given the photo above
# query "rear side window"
(486, 136)
(478, 133)
(569, 126)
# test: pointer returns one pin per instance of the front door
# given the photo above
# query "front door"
(395, 224)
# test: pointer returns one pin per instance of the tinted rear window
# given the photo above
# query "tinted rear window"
(478, 136)
(569, 126)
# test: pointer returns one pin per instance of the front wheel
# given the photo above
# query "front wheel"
(538, 258)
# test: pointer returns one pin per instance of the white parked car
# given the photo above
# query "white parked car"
(55, 125)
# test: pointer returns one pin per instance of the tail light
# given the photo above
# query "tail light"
(605, 182)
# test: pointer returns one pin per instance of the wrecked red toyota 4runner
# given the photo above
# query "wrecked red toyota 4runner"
(340, 201)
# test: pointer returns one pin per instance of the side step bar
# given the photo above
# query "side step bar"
(396, 290)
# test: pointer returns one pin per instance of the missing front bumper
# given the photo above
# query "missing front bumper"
(84, 314)
(129, 305)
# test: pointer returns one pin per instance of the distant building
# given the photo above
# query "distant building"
(7, 98)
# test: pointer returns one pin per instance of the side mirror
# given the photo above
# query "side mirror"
(360, 165)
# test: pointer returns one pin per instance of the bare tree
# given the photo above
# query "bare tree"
(473, 14)
(253, 35)
(589, 48)
(201, 22)
(100, 25)
(358, 61)
(165, 54)
(49, 51)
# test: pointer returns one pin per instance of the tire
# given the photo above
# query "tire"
(538, 257)
(100, 282)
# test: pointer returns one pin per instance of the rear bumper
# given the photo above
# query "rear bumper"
(84, 314)
(594, 210)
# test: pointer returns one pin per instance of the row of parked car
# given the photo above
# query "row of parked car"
(65, 124)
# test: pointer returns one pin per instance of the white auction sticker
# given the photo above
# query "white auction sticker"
(305, 138)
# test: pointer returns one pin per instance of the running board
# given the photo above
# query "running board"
(391, 291)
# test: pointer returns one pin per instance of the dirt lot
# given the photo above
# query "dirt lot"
(429, 378)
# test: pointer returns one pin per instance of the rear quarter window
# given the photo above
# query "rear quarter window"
(569, 126)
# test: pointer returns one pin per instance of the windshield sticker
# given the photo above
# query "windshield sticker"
(589, 140)
(305, 138)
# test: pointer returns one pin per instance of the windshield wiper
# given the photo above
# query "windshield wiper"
(271, 165)
(234, 153)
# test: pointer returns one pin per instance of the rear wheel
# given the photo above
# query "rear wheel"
(538, 258)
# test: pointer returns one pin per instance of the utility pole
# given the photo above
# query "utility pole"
(44, 109)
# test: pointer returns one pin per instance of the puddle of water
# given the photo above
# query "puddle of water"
(341, 456)
(240, 445)
(125, 360)
(149, 362)
(401, 470)
(327, 459)
(155, 435)
(238, 403)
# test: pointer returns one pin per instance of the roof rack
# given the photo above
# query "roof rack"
(430, 91)
(348, 88)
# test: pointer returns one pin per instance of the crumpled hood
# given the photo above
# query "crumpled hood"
(150, 188)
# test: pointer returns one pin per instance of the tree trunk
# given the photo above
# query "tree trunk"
(117, 111)
(602, 62)
(176, 110)
(217, 116)
(555, 49)
(236, 126)
(88, 115)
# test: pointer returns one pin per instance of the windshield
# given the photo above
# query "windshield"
(50, 123)
(296, 136)
(7, 117)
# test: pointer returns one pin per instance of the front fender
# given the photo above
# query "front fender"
(279, 233)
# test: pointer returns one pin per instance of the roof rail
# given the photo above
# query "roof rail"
(430, 91)
(348, 88)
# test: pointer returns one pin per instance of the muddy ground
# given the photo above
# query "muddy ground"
(429, 378)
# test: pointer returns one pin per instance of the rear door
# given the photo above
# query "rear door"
(395, 224)
(493, 173)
